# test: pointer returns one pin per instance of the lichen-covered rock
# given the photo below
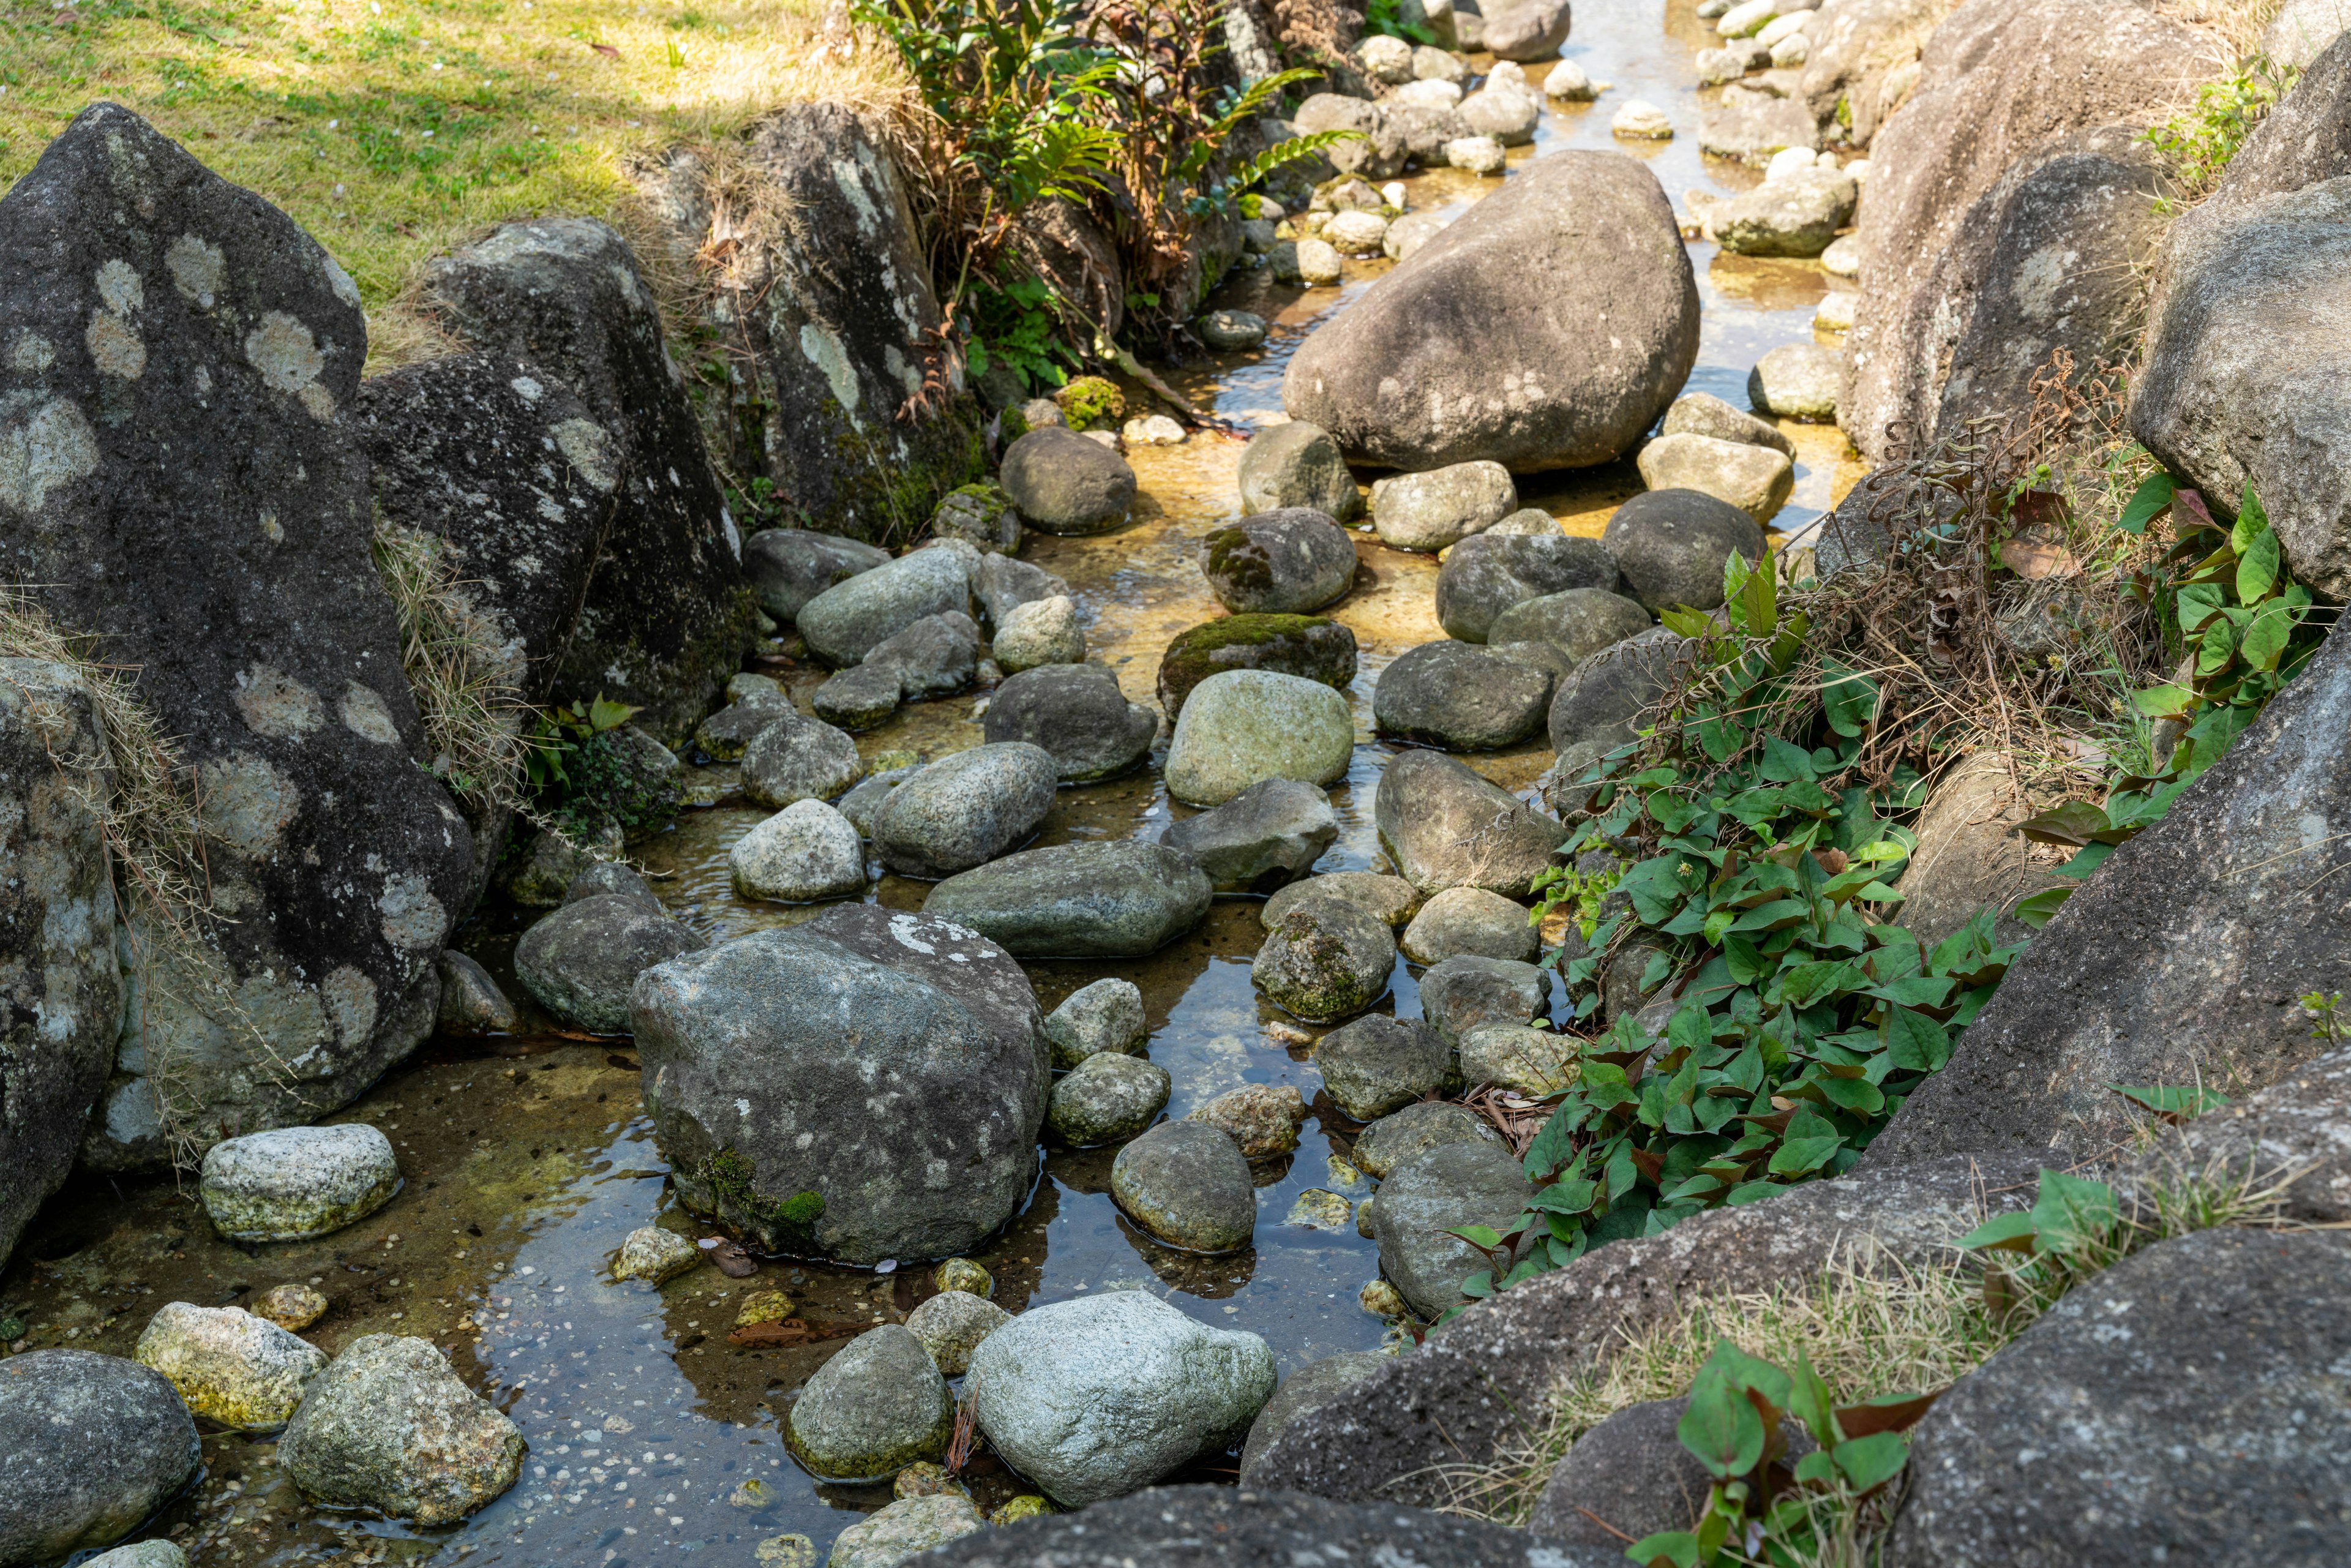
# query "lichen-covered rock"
(1187, 1185)
(864, 1086)
(1108, 1099)
(804, 853)
(185, 489)
(388, 1425)
(1261, 1119)
(1396, 1139)
(877, 1407)
(789, 566)
(1302, 1391)
(1579, 622)
(981, 515)
(1309, 646)
(1077, 712)
(652, 1253)
(1065, 484)
(1489, 573)
(966, 810)
(1270, 833)
(1467, 992)
(1104, 1015)
(229, 1365)
(854, 617)
(291, 1307)
(1429, 511)
(1093, 899)
(1436, 1192)
(1446, 826)
(579, 962)
(1461, 697)
(799, 759)
(1297, 465)
(1240, 727)
(906, 1528)
(294, 1183)
(91, 1446)
(1389, 900)
(1283, 563)
(1324, 960)
(1671, 545)
(60, 981)
(950, 1326)
(1094, 1397)
(1378, 1065)
(1534, 1061)
(1473, 921)
(1040, 631)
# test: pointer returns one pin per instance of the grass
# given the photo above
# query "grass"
(394, 128)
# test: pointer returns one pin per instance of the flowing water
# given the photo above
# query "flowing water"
(527, 1162)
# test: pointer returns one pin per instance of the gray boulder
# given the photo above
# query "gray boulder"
(1703, 414)
(1796, 214)
(1043, 631)
(1395, 1140)
(1077, 712)
(1107, 1099)
(1379, 1064)
(1104, 1015)
(1632, 1471)
(1440, 1190)
(798, 760)
(185, 361)
(292, 1184)
(1579, 622)
(1187, 1184)
(388, 1425)
(877, 1407)
(935, 657)
(1461, 697)
(2204, 1374)
(726, 734)
(2303, 30)
(966, 810)
(601, 877)
(1469, 991)
(1324, 960)
(982, 516)
(1268, 834)
(1862, 61)
(1446, 826)
(1297, 465)
(1410, 376)
(1755, 479)
(1526, 29)
(1094, 1397)
(1302, 1390)
(1240, 727)
(1389, 900)
(2299, 1127)
(1098, 899)
(92, 1446)
(850, 620)
(1431, 510)
(805, 853)
(1797, 381)
(1672, 545)
(1429, 129)
(60, 981)
(1002, 585)
(859, 697)
(1376, 151)
(1488, 574)
(1469, 920)
(579, 962)
(1065, 484)
(1283, 563)
(1749, 125)
(789, 566)
(1599, 703)
(1309, 646)
(1507, 114)
(1230, 331)
(894, 1067)
(470, 1001)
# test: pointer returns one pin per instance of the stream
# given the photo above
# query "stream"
(527, 1162)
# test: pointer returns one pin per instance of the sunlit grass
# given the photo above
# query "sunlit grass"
(393, 129)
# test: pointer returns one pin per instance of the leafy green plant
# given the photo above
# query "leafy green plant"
(2200, 144)
(578, 779)
(1387, 17)
(1018, 325)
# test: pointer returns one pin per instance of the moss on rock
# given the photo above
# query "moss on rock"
(1313, 646)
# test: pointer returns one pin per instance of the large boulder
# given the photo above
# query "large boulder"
(1997, 80)
(1324, 960)
(1672, 545)
(1095, 1397)
(92, 1444)
(1283, 563)
(60, 981)
(668, 611)
(864, 421)
(1444, 825)
(1240, 727)
(1078, 713)
(1457, 354)
(389, 1426)
(185, 356)
(1488, 574)
(1461, 697)
(1117, 899)
(1863, 60)
(292, 1184)
(2200, 1379)
(893, 1068)
(1311, 648)
(2122, 987)
(2303, 30)
(966, 810)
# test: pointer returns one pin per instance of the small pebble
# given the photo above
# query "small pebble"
(291, 1307)
(963, 1274)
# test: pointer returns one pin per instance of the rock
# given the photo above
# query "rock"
(1447, 328)
(1477, 154)
(1702, 413)
(789, 566)
(1579, 621)
(1003, 584)
(1751, 126)
(981, 515)
(1835, 311)
(1378, 1064)
(934, 657)
(848, 620)
(1429, 128)
(1865, 57)
(1390, 900)
(1186, 1184)
(1383, 59)
(2105, 1385)
(535, 877)
(950, 1326)
(907, 1528)
(1107, 1099)
(1632, 1470)
(1261, 1119)
(1672, 544)
(966, 810)
(92, 1446)
(1527, 30)
(1439, 1190)
(800, 759)
(1608, 691)
(1077, 713)
(1066, 484)
(1116, 898)
(1461, 697)
(1469, 1382)
(1637, 119)
(1842, 258)
(388, 1425)
(2301, 1123)
(1467, 992)
(860, 804)
(1041, 631)
(1324, 959)
(1432, 510)
(1315, 263)
(150, 1554)
(1797, 381)
(1092, 404)
(877, 1407)
(1356, 233)
(142, 516)
(60, 981)
(1283, 563)
(1533, 1062)
(1746, 18)
(1376, 151)
(1970, 855)
(1756, 480)
(909, 1046)
(1302, 1391)
(1230, 331)
(804, 853)
(1469, 920)
(1974, 123)
(1507, 116)
(579, 962)
(295, 1183)
(229, 1365)
(1414, 230)
(1104, 1015)
(1396, 1139)
(1297, 466)
(2303, 30)
(1795, 216)
(1445, 826)
(1308, 646)
(859, 696)
(1489, 572)
(654, 1254)
(1240, 727)
(291, 1307)
(1267, 835)
(723, 735)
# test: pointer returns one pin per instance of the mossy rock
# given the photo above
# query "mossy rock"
(1313, 646)
(1091, 403)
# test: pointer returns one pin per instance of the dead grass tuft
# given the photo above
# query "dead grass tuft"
(476, 724)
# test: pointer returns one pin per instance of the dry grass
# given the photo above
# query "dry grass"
(477, 726)
(2238, 23)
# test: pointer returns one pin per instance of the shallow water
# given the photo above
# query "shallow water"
(527, 1165)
